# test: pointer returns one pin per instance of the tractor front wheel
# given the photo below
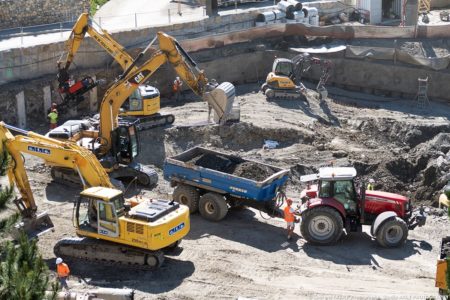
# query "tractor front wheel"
(392, 233)
(321, 225)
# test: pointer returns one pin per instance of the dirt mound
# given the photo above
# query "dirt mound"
(241, 136)
(235, 166)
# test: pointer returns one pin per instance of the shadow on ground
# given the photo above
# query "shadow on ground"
(354, 249)
(168, 277)
(362, 249)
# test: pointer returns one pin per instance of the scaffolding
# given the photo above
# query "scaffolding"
(422, 93)
(424, 6)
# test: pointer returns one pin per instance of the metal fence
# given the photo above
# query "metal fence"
(176, 14)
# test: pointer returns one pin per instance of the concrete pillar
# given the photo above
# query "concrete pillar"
(93, 99)
(411, 13)
(47, 100)
(21, 111)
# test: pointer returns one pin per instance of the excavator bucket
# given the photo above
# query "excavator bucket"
(221, 99)
(33, 227)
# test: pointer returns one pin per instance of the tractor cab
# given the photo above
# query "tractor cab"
(335, 184)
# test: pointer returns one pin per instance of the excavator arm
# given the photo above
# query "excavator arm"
(220, 98)
(84, 25)
(65, 154)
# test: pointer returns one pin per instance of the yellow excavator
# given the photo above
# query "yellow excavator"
(144, 103)
(441, 278)
(109, 228)
(284, 79)
(115, 141)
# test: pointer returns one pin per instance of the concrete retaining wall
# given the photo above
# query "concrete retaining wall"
(27, 63)
(440, 3)
(377, 77)
(23, 13)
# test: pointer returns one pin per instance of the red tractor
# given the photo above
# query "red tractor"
(333, 204)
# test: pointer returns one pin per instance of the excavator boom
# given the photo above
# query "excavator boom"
(66, 154)
(219, 97)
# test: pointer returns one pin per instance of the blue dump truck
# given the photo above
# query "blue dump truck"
(211, 182)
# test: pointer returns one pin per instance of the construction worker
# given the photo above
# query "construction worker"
(371, 185)
(177, 84)
(63, 272)
(289, 218)
(53, 116)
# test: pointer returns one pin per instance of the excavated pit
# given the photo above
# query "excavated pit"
(406, 155)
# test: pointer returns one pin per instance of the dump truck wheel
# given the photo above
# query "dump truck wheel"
(213, 207)
(392, 233)
(321, 225)
(187, 195)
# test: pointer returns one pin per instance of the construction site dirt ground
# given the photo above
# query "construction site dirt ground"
(404, 148)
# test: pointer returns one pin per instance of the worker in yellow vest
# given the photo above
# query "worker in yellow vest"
(371, 185)
(53, 116)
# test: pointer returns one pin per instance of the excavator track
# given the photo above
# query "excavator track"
(69, 177)
(65, 176)
(154, 121)
(108, 253)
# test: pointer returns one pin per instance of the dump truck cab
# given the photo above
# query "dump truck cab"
(334, 203)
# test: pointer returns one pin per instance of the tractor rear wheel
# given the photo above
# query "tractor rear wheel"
(187, 195)
(213, 207)
(392, 233)
(321, 225)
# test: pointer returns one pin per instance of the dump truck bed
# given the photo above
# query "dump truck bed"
(226, 174)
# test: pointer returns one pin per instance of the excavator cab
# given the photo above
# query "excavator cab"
(125, 144)
(283, 67)
(98, 211)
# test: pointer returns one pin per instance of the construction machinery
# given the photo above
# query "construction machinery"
(209, 185)
(441, 280)
(333, 204)
(142, 104)
(284, 80)
(115, 141)
(108, 227)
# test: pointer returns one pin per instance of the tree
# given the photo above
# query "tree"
(23, 272)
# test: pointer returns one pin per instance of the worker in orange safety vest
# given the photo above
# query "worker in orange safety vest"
(177, 84)
(289, 217)
(63, 272)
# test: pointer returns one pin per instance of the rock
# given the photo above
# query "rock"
(340, 154)
(440, 161)
(429, 175)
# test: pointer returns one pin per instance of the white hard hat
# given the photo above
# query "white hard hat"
(178, 78)
(59, 260)
(371, 180)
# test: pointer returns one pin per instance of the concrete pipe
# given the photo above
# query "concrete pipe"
(279, 14)
(267, 16)
(312, 14)
(286, 7)
(297, 5)
(299, 15)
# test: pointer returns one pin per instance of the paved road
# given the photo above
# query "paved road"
(117, 15)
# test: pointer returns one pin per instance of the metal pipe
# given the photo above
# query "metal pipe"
(16, 129)
(81, 177)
